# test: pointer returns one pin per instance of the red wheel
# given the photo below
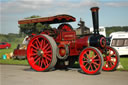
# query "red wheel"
(65, 27)
(111, 59)
(41, 53)
(91, 60)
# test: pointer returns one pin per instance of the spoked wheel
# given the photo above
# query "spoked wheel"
(41, 53)
(111, 59)
(91, 60)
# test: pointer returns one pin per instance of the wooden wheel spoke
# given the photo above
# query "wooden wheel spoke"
(111, 63)
(96, 63)
(34, 46)
(85, 58)
(86, 64)
(49, 55)
(45, 46)
(41, 44)
(33, 54)
(47, 58)
(46, 62)
(43, 61)
(44, 42)
(48, 52)
(96, 59)
(84, 61)
(34, 50)
(37, 45)
(88, 55)
(91, 66)
(37, 60)
(35, 57)
(95, 66)
(38, 41)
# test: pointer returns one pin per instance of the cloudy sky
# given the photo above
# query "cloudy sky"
(111, 13)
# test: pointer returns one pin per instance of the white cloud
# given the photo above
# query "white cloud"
(117, 4)
(29, 5)
(22, 6)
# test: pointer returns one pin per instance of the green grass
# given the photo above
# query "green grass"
(15, 62)
(124, 63)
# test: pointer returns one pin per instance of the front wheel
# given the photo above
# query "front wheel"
(91, 60)
(111, 59)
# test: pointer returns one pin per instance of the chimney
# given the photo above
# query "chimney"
(95, 19)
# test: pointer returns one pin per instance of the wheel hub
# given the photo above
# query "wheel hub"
(40, 52)
(108, 58)
(90, 61)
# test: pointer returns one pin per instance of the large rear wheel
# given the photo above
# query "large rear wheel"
(91, 60)
(41, 53)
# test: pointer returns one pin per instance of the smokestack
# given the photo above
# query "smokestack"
(95, 19)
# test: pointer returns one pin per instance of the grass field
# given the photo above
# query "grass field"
(124, 63)
(11, 61)
(9, 50)
(123, 60)
(13, 46)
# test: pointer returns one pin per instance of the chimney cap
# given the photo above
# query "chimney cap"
(94, 9)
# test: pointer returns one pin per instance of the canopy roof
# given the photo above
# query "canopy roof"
(49, 20)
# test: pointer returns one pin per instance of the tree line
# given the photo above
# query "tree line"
(111, 29)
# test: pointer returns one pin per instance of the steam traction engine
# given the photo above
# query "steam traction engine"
(60, 48)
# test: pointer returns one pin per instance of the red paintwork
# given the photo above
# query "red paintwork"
(40, 50)
(65, 36)
(20, 52)
(4, 45)
(82, 42)
(49, 20)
